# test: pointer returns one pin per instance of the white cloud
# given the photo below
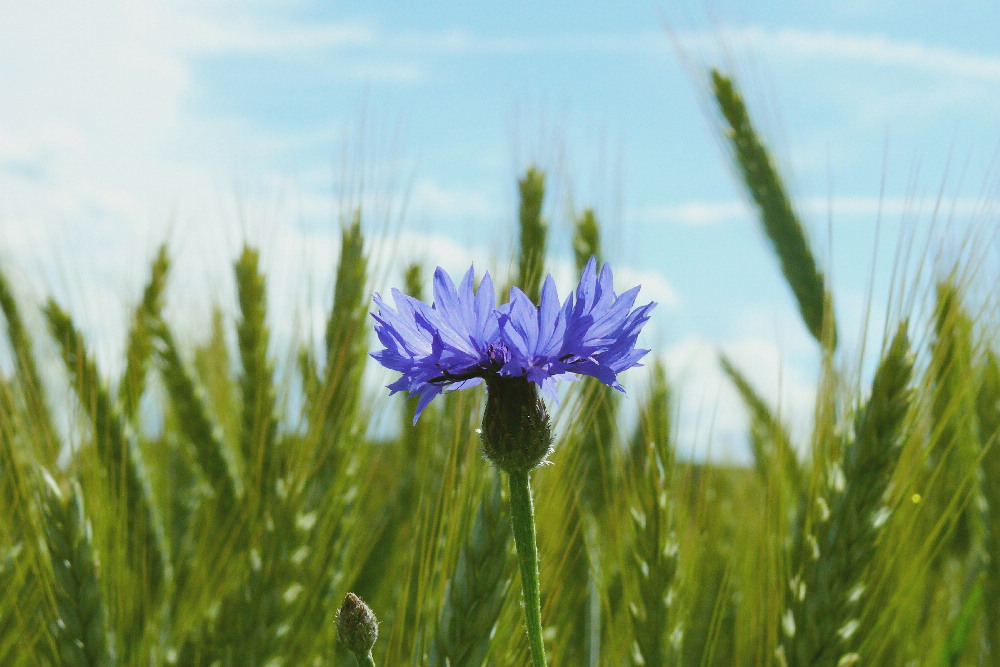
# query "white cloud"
(712, 418)
(654, 287)
(837, 209)
(200, 33)
(794, 44)
(695, 213)
(436, 199)
(790, 43)
(877, 50)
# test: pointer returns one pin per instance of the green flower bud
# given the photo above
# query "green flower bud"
(357, 627)
(516, 433)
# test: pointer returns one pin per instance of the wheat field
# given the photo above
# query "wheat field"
(188, 516)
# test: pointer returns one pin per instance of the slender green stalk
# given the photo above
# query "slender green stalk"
(522, 520)
(365, 660)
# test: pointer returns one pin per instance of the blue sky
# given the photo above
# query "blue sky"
(206, 122)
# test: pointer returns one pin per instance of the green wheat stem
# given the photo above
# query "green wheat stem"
(365, 660)
(522, 521)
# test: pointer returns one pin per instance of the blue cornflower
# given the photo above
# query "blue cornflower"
(452, 342)
(463, 338)
(595, 335)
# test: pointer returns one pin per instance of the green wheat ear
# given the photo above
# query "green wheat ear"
(258, 434)
(122, 467)
(657, 627)
(781, 224)
(80, 631)
(140, 345)
(188, 402)
(954, 448)
(26, 594)
(830, 587)
(477, 590)
(533, 232)
(334, 413)
(988, 409)
(43, 433)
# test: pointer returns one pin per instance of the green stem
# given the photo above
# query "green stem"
(365, 660)
(522, 520)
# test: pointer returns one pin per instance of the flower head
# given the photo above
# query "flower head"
(463, 338)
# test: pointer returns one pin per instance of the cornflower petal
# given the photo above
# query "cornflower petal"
(485, 309)
(463, 338)
(551, 320)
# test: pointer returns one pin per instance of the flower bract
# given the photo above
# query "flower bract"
(463, 338)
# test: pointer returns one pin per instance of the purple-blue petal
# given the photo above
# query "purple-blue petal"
(464, 337)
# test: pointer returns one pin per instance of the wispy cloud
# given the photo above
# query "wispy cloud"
(787, 42)
(433, 198)
(694, 213)
(700, 213)
(869, 49)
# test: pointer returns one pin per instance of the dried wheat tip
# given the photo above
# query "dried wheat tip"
(357, 627)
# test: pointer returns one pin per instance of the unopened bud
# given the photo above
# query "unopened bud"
(516, 433)
(357, 627)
